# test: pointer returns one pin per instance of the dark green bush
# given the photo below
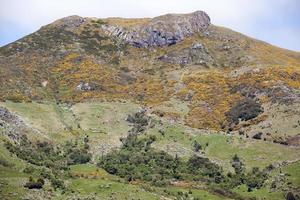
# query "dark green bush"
(46, 154)
(197, 146)
(255, 179)
(138, 160)
(29, 169)
(139, 120)
(244, 110)
(79, 156)
(32, 184)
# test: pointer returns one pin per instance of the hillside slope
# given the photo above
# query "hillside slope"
(194, 85)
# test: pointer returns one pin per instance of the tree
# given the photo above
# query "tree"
(238, 165)
(197, 146)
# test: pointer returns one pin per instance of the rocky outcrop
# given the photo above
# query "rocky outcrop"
(13, 126)
(161, 31)
(85, 87)
(197, 54)
(70, 23)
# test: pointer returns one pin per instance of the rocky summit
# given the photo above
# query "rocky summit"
(170, 107)
(163, 30)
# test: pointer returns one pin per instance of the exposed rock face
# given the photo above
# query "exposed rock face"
(70, 22)
(85, 87)
(13, 126)
(163, 30)
(197, 54)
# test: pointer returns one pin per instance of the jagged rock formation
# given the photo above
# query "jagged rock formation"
(163, 30)
(13, 126)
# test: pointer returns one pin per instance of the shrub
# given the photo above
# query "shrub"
(197, 146)
(79, 156)
(139, 121)
(255, 179)
(237, 164)
(29, 170)
(57, 183)
(31, 184)
(245, 109)
(203, 166)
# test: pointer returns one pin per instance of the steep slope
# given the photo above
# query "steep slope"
(80, 82)
(179, 56)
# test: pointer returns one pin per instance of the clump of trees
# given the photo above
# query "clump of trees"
(139, 121)
(54, 158)
(51, 156)
(253, 179)
(138, 160)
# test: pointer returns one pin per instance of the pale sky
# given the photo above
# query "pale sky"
(274, 21)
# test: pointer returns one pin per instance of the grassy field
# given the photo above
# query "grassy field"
(260, 194)
(94, 180)
(105, 124)
(293, 171)
(221, 147)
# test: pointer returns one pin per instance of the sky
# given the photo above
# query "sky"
(274, 21)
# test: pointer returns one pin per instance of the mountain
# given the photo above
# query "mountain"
(76, 86)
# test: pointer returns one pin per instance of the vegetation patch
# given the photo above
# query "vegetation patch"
(244, 110)
(137, 160)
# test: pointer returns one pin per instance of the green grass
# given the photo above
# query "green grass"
(105, 124)
(260, 194)
(92, 171)
(173, 106)
(84, 168)
(40, 116)
(293, 171)
(106, 188)
(105, 184)
(104, 117)
(12, 188)
(194, 193)
(222, 148)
